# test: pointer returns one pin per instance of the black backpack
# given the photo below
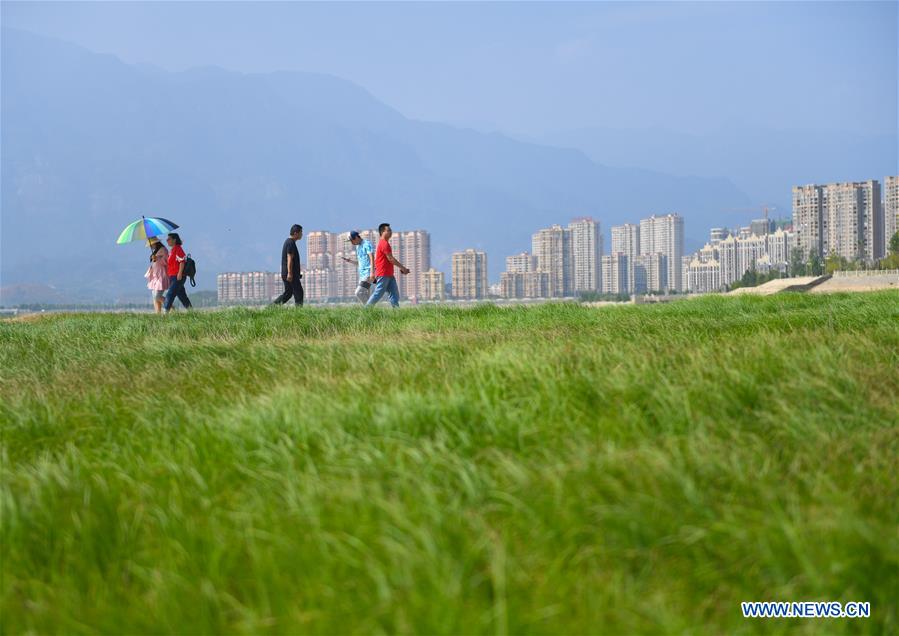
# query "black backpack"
(190, 270)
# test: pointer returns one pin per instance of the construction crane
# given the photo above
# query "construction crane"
(766, 209)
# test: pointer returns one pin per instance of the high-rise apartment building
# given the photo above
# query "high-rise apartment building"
(749, 250)
(433, 285)
(537, 284)
(780, 247)
(808, 218)
(717, 234)
(552, 248)
(873, 244)
(845, 219)
(656, 267)
(638, 272)
(704, 276)
(511, 284)
(319, 284)
(760, 227)
(685, 272)
(614, 273)
(891, 209)
(230, 288)
(321, 246)
(626, 240)
(371, 236)
(248, 287)
(733, 256)
(346, 274)
(524, 284)
(665, 235)
(413, 249)
(521, 263)
(853, 220)
(470, 274)
(727, 260)
(586, 254)
(326, 275)
(707, 252)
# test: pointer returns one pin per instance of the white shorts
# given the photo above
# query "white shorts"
(363, 292)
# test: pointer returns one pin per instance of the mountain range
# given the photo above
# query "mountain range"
(763, 162)
(89, 143)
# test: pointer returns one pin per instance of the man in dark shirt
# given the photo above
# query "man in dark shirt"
(290, 268)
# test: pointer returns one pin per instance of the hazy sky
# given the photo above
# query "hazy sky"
(535, 68)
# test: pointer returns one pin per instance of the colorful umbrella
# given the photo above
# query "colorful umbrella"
(144, 228)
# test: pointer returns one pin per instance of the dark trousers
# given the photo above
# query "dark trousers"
(176, 288)
(291, 288)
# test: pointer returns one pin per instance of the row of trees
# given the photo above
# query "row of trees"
(835, 263)
(800, 265)
(815, 266)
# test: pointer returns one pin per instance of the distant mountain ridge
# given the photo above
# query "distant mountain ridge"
(89, 143)
(764, 163)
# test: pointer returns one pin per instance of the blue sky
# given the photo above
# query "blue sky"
(535, 68)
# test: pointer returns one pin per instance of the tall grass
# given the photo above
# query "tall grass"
(552, 469)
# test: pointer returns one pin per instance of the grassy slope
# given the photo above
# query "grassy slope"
(547, 469)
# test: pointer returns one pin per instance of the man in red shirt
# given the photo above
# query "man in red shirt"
(176, 274)
(384, 264)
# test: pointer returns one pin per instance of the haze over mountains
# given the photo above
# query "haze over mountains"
(763, 162)
(89, 143)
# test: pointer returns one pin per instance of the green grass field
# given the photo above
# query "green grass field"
(552, 469)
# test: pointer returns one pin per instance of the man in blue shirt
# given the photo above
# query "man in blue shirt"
(365, 261)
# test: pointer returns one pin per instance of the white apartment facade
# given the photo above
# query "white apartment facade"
(536, 284)
(665, 235)
(843, 219)
(470, 274)
(413, 249)
(808, 219)
(511, 284)
(890, 209)
(656, 268)
(521, 263)
(248, 287)
(734, 256)
(320, 284)
(704, 276)
(433, 285)
(626, 240)
(586, 254)
(552, 248)
(614, 273)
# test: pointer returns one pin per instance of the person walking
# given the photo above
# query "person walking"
(175, 270)
(384, 264)
(157, 273)
(365, 263)
(290, 268)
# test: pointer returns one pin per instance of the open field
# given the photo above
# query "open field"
(549, 469)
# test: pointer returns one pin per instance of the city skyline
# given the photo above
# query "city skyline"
(848, 220)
